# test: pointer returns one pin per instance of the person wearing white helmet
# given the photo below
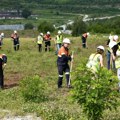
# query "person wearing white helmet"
(95, 61)
(84, 38)
(40, 41)
(62, 62)
(3, 61)
(112, 42)
(58, 41)
(15, 38)
(47, 40)
(1, 39)
(116, 58)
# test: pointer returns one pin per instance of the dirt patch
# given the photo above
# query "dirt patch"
(12, 80)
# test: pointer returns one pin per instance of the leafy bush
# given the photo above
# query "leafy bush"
(95, 93)
(32, 89)
(29, 26)
(45, 26)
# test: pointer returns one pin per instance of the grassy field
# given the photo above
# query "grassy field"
(29, 62)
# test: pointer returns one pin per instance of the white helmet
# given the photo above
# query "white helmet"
(41, 34)
(15, 31)
(66, 40)
(59, 32)
(115, 37)
(88, 33)
(101, 47)
(48, 33)
(2, 34)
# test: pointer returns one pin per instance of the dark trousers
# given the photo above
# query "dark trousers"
(83, 42)
(47, 45)
(40, 47)
(1, 81)
(61, 70)
(16, 45)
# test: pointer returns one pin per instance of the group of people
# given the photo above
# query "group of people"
(113, 57)
(47, 40)
(62, 50)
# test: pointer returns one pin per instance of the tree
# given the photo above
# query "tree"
(26, 13)
(45, 26)
(78, 27)
(95, 92)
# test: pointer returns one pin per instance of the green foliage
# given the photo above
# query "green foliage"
(29, 26)
(45, 26)
(32, 89)
(78, 27)
(26, 13)
(95, 93)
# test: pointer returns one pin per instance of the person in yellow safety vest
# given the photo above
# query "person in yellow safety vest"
(84, 38)
(96, 60)
(40, 41)
(58, 41)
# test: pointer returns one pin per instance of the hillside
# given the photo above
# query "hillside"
(82, 6)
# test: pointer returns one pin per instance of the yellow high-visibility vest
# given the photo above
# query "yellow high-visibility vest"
(94, 62)
(40, 39)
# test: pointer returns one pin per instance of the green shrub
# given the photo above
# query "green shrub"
(95, 93)
(32, 89)
(29, 26)
(45, 26)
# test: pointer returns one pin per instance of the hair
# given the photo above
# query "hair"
(100, 51)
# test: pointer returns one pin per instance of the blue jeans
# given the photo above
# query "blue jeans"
(108, 54)
(58, 46)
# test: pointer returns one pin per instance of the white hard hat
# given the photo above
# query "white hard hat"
(101, 47)
(15, 31)
(88, 33)
(41, 34)
(66, 40)
(59, 32)
(115, 37)
(2, 34)
(48, 33)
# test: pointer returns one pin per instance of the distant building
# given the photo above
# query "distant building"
(12, 27)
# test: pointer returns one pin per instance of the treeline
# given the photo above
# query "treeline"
(96, 26)
(105, 26)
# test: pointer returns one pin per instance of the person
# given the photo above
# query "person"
(62, 62)
(110, 48)
(47, 39)
(95, 61)
(15, 38)
(40, 41)
(1, 39)
(3, 61)
(84, 42)
(58, 41)
(116, 57)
